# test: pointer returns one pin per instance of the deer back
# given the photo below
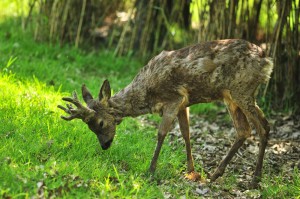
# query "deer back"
(199, 73)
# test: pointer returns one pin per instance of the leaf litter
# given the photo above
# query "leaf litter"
(211, 140)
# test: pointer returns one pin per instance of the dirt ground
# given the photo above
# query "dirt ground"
(211, 140)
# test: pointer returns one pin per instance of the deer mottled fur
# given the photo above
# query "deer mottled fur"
(227, 70)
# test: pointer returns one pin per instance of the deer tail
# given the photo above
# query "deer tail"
(266, 70)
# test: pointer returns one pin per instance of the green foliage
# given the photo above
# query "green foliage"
(209, 109)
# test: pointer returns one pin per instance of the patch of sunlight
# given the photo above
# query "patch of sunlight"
(136, 185)
(280, 148)
(28, 95)
(14, 8)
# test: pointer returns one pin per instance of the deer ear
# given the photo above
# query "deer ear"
(105, 92)
(87, 96)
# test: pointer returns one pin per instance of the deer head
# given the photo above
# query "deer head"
(97, 115)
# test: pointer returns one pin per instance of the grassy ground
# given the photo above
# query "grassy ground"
(42, 155)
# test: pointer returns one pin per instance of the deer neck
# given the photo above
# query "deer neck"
(130, 102)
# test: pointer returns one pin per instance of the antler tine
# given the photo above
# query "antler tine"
(75, 96)
(74, 100)
(81, 112)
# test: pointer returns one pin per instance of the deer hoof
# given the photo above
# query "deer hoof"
(214, 176)
(254, 184)
(193, 176)
(218, 172)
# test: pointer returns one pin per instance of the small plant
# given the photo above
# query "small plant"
(6, 68)
(281, 187)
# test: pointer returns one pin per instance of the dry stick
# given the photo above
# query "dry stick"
(80, 23)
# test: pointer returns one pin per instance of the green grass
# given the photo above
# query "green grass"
(279, 187)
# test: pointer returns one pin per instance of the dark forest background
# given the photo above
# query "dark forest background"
(143, 28)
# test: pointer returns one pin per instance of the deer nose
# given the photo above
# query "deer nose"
(106, 145)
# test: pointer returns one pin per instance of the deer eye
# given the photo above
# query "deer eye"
(101, 124)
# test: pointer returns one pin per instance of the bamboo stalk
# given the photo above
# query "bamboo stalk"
(31, 6)
(157, 35)
(122, 37)
(279, 29)
(64, 20)
(198, 3)
(53, 19)
(133, 36)
(36, 30)
(80, 23)
(146, 34)
(167, 24)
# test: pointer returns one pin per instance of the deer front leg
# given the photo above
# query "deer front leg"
(183, 119)
(168, 118)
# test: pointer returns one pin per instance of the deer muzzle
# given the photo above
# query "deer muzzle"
(105, 145)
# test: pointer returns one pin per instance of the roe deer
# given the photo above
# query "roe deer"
(228, 70)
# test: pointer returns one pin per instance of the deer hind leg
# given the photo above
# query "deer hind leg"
(256, 116)
(243, 132)
(183, 119)
(262, 127)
